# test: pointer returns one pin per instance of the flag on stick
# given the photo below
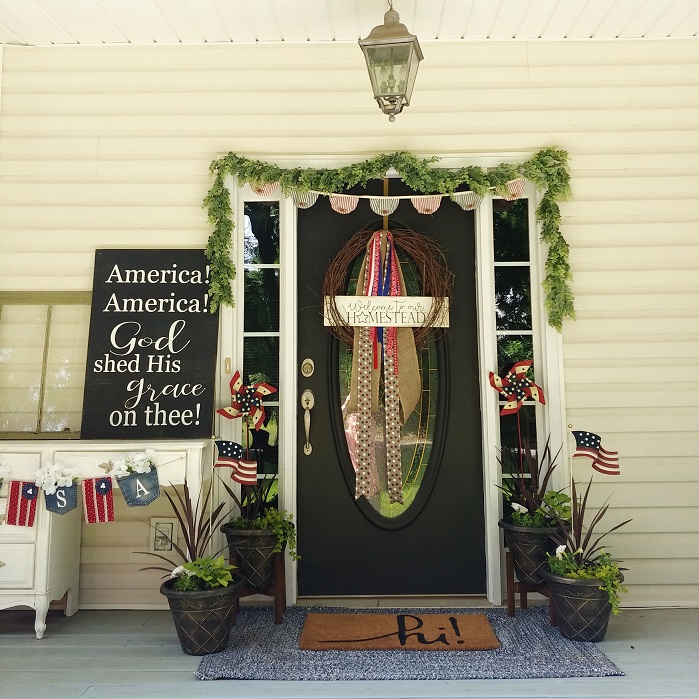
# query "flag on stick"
(21, 503)
(228, 454)
(590, 445)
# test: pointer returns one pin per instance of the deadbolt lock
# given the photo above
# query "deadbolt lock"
(307, 367)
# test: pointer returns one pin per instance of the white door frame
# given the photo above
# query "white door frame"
(548, 348)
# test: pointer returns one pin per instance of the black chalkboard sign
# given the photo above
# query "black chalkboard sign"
(151, 355)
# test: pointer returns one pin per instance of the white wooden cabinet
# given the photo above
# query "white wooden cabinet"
(40, 564)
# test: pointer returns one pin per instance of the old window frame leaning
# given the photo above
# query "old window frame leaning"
(74, 357)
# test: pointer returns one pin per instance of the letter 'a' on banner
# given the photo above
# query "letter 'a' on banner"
(140, 489)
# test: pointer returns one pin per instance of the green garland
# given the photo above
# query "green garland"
(547, 169)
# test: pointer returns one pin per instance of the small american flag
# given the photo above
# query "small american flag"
(21, 504)
(590, 445)
(229, 454)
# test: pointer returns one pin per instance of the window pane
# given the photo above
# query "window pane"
(512, 298)
(261, 361)
(65, 369)
(512, 349)
(511, 428)
(262, 444)
(261, 300)
(22, 339)
(261, 238)
(511, 230)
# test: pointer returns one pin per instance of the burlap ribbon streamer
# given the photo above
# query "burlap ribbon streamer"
(402, 389)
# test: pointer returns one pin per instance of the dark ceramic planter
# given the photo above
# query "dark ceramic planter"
(251, 551)
(203, 618)
(581, 608)
(529, 546)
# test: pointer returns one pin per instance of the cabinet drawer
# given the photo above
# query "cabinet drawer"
(18, 571)
(17, 535)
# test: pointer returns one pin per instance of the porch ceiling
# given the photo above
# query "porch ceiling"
(141, 22)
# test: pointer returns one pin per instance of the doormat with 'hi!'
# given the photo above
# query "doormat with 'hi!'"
(530, 647)
(405, 631)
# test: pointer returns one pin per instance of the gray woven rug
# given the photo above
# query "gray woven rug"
(529, 648)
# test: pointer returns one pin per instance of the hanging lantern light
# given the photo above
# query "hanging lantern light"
(392, 56)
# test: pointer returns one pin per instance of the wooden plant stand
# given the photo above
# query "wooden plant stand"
(514, 586)
(277, 589)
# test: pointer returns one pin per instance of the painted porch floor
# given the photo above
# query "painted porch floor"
(101, 654)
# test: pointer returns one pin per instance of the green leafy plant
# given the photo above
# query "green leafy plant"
(256, 512)
(547, 169)
(195, 569)
(204, 573)
(580, 555)
(527, 491)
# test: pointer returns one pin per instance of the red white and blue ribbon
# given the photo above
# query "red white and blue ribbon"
(377, 347)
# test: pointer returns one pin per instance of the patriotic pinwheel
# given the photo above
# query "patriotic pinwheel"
(247, 400)
(516, 387)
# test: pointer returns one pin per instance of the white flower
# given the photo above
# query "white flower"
(119, 469)
(142, 462)
(55, 475)
(141, 466)
(560, 550)
(518, 508)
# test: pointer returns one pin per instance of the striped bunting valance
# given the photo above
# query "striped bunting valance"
(385, 206)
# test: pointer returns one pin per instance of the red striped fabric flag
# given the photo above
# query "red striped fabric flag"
(21, 503)
(98, 500)
(246, 473)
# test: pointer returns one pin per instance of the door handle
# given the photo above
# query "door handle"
(307, 403)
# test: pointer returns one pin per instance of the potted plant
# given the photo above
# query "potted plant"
(259, 531)
(202, 590)
(538, 513)
(584, 581)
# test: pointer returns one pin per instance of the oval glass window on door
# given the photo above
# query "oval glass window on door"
(418, 436)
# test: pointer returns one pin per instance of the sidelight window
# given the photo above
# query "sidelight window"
(261, 327)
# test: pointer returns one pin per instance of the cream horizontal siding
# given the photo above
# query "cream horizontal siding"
(111, 574)
(110, 147)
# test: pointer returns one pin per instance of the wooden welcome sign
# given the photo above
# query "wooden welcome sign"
(152, 347)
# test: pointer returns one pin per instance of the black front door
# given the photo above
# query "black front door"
(435, 544)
